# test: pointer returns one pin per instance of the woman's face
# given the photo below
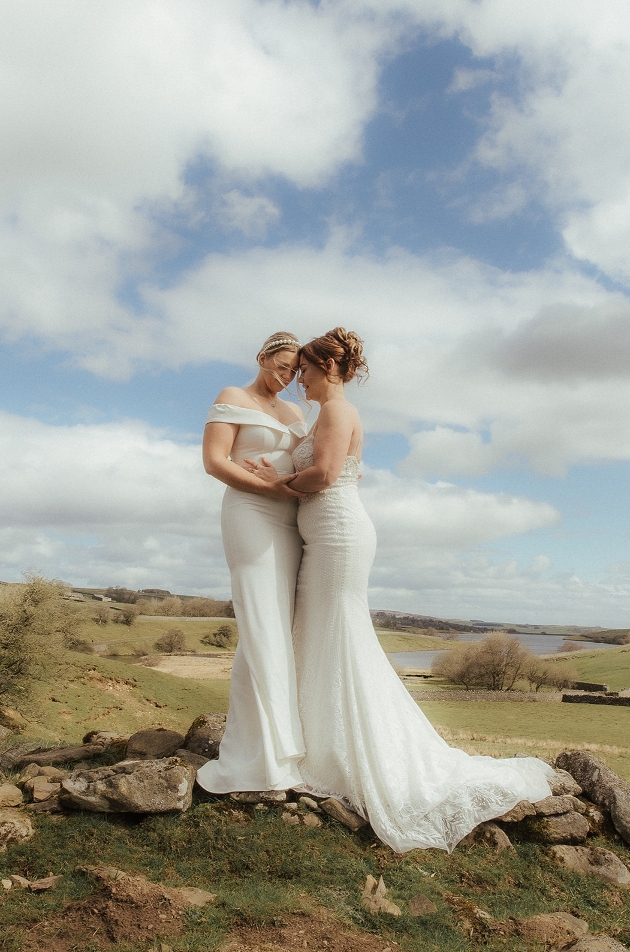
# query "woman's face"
(283, 364)
(310, 379)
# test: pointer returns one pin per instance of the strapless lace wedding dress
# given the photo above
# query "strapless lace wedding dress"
(367, 741)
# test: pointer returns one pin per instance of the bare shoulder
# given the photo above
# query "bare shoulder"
(339, 412)
(291, 413)
(235, 397)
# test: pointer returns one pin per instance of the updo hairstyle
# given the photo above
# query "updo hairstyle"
(281, 340)
(344, 347)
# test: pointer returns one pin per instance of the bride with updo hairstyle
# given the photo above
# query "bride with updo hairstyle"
(368, 743)
(249, 430)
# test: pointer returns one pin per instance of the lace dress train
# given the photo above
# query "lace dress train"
(367, 741)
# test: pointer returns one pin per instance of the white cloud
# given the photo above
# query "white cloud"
(250, 214)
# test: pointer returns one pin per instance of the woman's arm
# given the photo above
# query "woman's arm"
(218, 440)
(336, 424)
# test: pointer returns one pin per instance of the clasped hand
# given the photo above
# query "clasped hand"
(269, 474)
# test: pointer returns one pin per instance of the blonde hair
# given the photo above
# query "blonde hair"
(344, 347)
(281, 340)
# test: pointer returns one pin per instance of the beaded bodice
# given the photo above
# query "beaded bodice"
(303, 458)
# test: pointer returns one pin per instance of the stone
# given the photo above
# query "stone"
(39, 788)
(291, 807)
(554, 806)
(106, 738)
(292, 819)
(191, 895)
(20, 881)
(311, 820)
(53, 774)
(373, 898)
(522, 809)
(154, 743)
(14, 828)
(205, 734)
(601, 785)
(10, 795)
(132, 786)
(421, 906)
(337, 810)
(32, 770)
(193, 760)
(557, 929)
(4, 733)
(51, 805)
(593, 861)
(58, 755)
(42, 885)
(259, 796)
(564, 783)
(565, 828)
(7, 884)
(488, 834)
(598, 943)
(310, 804)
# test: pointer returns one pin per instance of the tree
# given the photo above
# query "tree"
(495, 663)
(172, 606)
(220, 638)
(173, 640)
(35, 620)
(127, 615)
(101, 615)
(551, 674)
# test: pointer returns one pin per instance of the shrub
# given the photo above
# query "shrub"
(172, 606)
(568, 646)
(495, 663)
(101, 615)
(173, 640)
(220, 638)
(35, 619)
(72, 643)
(126, 615)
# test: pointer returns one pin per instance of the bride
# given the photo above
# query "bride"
(263, 742)
(367, 741)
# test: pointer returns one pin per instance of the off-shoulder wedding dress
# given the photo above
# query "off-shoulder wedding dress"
(263, 740)
(367, 741)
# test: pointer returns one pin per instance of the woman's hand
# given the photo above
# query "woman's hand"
(263, 470)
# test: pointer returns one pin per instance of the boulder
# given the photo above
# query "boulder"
(601, 785)
(40, 789)
(311, 820)
(10, 795)
(45, 756)
(554, 806)
(522, 809)
(193, 760)
(14, 828)
(563, 828)
(132, 786)
(557, 929)
(598, 943)
(153, 744)
(488, 834)
(598, 821)
(205, 734)
(593, 861)
(348, 817)
(564, 783)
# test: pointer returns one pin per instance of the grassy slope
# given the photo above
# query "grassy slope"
(89, 693)
(396, 642)
(142, 634)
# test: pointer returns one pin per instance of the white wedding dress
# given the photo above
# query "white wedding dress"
(367, 741)
(263, 740)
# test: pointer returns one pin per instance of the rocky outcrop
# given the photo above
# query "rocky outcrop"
(593, 861)
(558, 930)
(205, 734)
(153, 744)
(556, 828)
(601, 785)
(46, 756)
(132, 786)
(490, 835)
(564, 784)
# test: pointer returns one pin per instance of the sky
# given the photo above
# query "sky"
(449, 178)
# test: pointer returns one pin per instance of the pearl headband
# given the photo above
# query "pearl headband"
(278, 343)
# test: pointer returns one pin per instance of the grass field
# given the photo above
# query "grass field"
(141, 636)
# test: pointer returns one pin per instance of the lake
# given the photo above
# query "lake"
(538, 644)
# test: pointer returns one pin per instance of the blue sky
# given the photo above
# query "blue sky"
(449, 178)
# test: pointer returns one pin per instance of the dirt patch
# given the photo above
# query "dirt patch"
(318, 930)
(130, 909)
(201, 669)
